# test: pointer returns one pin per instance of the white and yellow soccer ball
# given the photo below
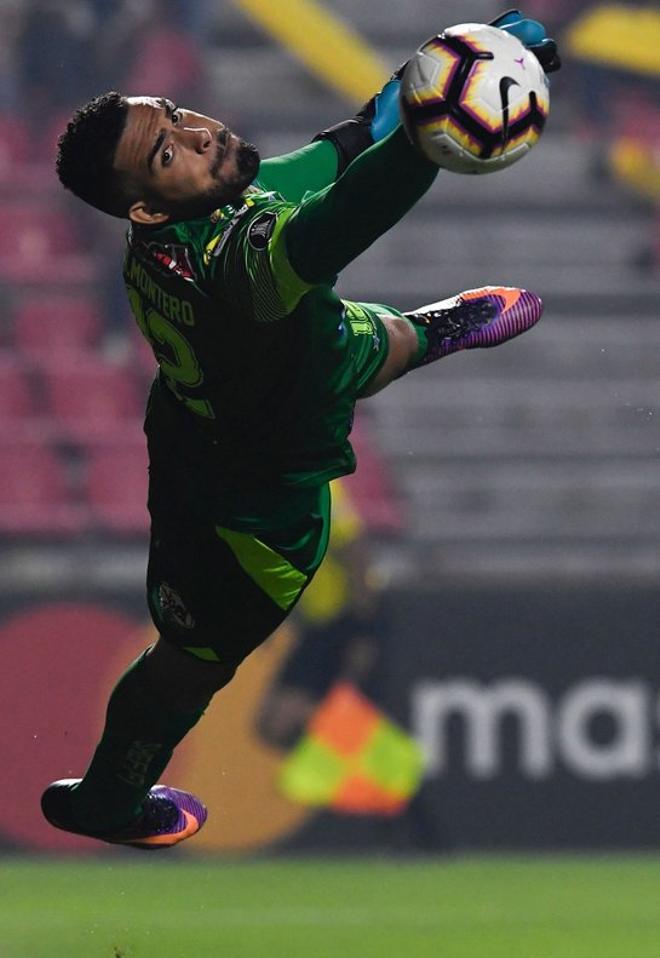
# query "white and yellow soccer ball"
(474, 99)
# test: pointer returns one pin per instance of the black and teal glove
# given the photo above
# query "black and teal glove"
(380, 115)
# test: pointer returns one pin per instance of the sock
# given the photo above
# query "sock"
(139, 737)
(419, 358)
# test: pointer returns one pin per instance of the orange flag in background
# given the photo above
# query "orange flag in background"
(353, 759)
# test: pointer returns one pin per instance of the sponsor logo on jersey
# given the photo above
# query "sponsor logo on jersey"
(169, 258)
(215, 246)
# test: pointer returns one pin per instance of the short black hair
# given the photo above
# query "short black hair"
(86, 151)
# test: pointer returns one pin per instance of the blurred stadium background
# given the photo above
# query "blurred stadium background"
(505, 521)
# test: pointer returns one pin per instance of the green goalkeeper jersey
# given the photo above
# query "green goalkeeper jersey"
(256, 370)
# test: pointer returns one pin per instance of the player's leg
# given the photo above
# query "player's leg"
(476, 318)
(214, 598)
(153, 706)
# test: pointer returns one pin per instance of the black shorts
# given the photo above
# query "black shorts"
(226, 570)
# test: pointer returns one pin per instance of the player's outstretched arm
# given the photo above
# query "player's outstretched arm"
(332, 227)
(308, 169)
(265, 262)
(318, 164)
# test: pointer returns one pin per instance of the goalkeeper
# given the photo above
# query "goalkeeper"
(229, 269)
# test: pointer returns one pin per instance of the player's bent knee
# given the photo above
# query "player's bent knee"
(186, 681)
(403, 345)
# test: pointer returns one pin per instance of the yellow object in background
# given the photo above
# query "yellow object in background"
(328, 47)
(620, 36)
(637, 163)
(329, 592)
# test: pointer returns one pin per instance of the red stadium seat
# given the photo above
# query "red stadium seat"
(92, 399)
(39, 244)
(53, 325)
(24, 168)
(15, 392)
(35, 232)
(35, 493)
(370, 488)
(20, 416)
(14, 144)
(141, 354)
(117, 487)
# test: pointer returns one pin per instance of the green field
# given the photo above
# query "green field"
(552, 907)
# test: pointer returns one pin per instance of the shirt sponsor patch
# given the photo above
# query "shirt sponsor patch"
(169, 258)
(218, 243)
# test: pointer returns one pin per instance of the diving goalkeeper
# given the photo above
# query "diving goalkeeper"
(230, 266)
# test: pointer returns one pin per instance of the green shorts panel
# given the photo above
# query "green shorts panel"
(370, 342)
(218, 585)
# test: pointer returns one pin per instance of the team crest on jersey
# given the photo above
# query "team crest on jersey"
(170, 258)
(173, 608)
(261, 229)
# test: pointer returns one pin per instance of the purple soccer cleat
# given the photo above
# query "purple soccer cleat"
(168, 816)
(476, 318)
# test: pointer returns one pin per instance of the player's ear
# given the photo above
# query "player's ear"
(142, 214)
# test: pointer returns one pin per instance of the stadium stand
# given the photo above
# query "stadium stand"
(115, 486)
(14, 145)
(36, 494)
(548, 442)
(16, 402)
(50, 326)
(91, 399)
(39, 243)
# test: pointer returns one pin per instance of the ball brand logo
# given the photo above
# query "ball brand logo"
(505, 85)
(549, 734)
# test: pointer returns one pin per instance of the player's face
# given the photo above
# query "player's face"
(180, 164)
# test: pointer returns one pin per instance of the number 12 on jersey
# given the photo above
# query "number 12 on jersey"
(177, 359)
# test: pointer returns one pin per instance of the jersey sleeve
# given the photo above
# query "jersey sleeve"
(306, 170)
(332, 227)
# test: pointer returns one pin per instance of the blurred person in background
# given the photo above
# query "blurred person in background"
(616, 50)
(11, 16)
(56, 56)
(146, 46)
(229, 271)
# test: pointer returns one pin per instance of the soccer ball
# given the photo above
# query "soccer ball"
(474, 99)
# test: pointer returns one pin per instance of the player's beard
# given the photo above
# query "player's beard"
(229, 189)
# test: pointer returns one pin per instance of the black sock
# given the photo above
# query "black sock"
(140, 734)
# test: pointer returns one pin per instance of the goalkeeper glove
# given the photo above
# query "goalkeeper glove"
(531, 33)
(378, 117)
